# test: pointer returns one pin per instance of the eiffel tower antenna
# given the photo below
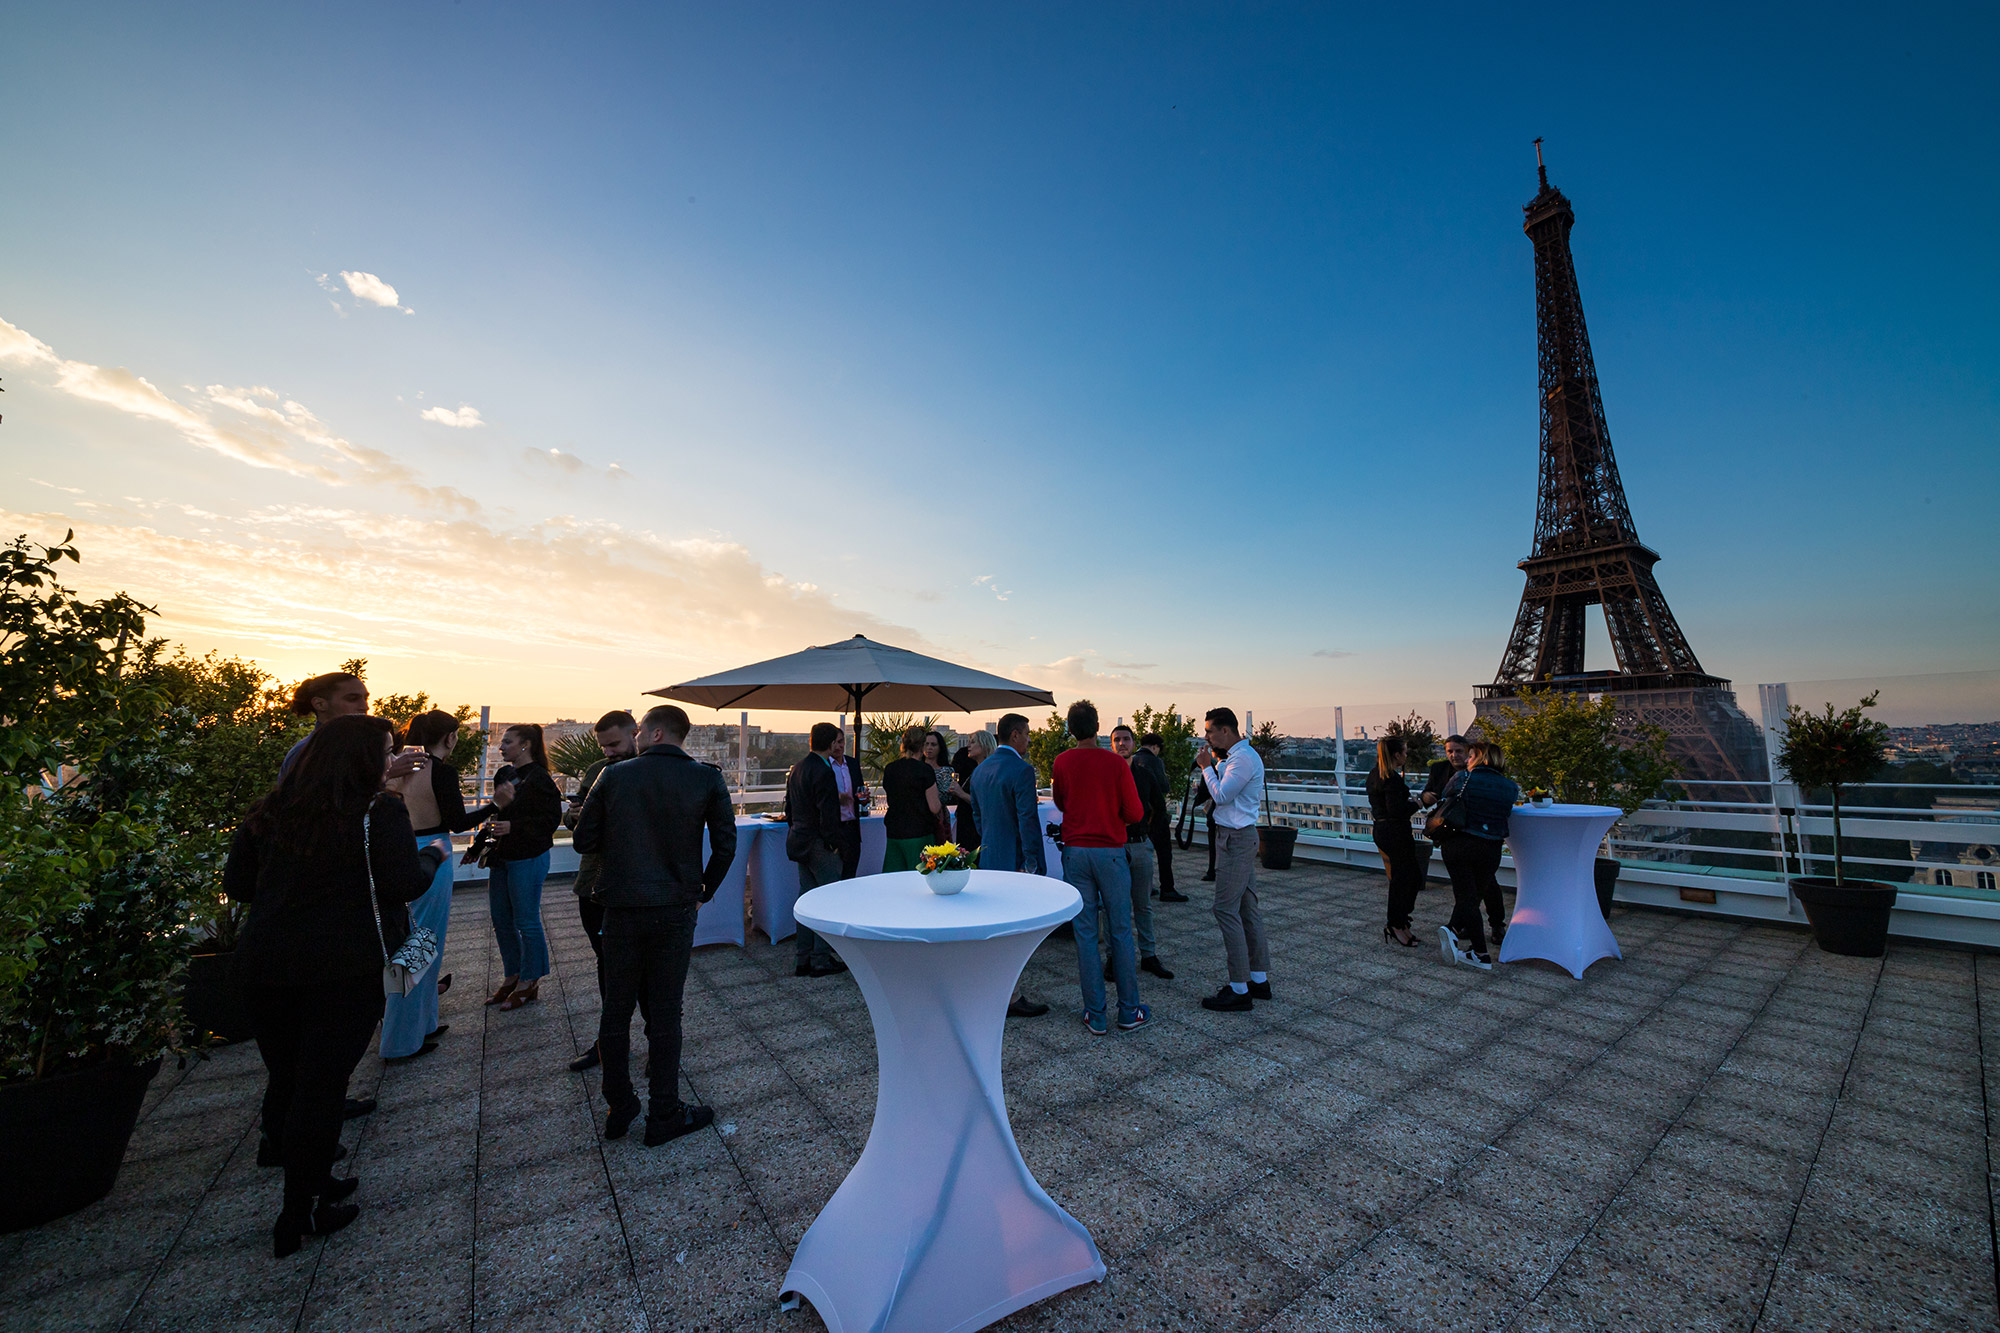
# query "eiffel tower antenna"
(1541, 170)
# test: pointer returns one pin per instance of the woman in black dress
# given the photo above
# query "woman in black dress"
(310, 958)
(1390, 803)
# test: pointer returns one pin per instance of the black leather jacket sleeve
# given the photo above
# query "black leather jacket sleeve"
(721, 817)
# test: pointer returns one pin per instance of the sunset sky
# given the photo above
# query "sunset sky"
(1156, 352)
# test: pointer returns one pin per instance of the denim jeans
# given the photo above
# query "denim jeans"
(514, 897)
(1103, 877)
(646, 952)
(821, 866)
(1140, 856)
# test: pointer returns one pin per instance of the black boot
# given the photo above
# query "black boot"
(293, 1226)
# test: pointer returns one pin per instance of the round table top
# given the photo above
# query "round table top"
(1559, 811)
(899, 906)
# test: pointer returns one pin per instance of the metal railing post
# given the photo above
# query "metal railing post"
(1340, 764)
(485, 787)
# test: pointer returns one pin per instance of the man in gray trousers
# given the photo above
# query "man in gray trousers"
(1233, 773)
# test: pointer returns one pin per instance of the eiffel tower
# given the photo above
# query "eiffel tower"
(1588, 553)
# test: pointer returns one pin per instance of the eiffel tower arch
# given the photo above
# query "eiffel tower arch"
(1587, 552)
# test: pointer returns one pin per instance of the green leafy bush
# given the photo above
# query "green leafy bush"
(1045, 743)
(1580, 749)
(1177, 737)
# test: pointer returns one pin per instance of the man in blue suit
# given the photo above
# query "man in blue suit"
(1009, 819)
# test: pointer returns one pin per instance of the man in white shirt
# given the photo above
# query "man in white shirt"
(1233, 773)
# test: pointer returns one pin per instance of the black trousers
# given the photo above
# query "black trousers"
(850, 848)
(1211, 844)
(1163, 852)
(591, 913)
(1399, 857)
(311, 1037)
(646, 952)
(1474, 865)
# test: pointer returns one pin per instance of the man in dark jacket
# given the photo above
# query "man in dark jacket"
(1160, 828)
(618, 737)
(1442, 770)
(813, 839)
(644, 821)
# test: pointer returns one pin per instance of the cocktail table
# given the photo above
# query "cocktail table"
(940, 1227)
(1556, 916)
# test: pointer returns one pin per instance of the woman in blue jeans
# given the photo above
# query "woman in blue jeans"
(519, 864)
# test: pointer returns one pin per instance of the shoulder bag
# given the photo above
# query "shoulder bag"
(401, 969)
(1448, 815)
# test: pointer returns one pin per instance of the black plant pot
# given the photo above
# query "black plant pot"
(1851, 917)
(1425, 847)
(212, 1000)
(1606, 871)
(62, 1139)
(1274, 845)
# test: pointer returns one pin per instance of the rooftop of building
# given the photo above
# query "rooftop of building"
(1727, 1129)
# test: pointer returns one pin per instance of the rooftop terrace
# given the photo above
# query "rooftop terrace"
(1729, 1129)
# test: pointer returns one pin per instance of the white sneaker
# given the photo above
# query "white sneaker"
(1471, 959)
(1449, 943)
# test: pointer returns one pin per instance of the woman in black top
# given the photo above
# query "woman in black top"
(310, 958)
(1390, 803)
(912, 817)
(519, 864)
(970, 755)
(937, 753)
(1472, 855)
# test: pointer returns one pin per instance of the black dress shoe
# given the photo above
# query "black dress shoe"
(1209, 878)
(683, 1121)
(619, 1119)
(1023, 1007)
(1228, 1000)
(321, 1221)
(270, 1154)
(356, 1107)
(439, 1030)
(1151, 963)
(444, 984)
(588, 1060)
(337, 1189)
(417, 1054)
(1169, 896)
(1260, 990)
(833, 967)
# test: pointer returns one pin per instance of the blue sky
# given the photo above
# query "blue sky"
(1151, 352)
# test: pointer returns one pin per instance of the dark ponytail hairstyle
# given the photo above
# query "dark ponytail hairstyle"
(533, 731)
(427, 729)
(326, 792)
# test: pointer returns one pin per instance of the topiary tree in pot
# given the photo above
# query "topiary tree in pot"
(1829, 750)
(96, 891)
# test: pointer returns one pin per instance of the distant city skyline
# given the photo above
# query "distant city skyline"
(1154, 354)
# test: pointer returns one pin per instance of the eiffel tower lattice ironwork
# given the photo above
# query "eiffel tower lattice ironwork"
(1587, 552)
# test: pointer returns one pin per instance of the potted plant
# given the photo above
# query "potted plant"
(98, 890)
(1827, 751)
(946, 867)
(1275, 842)
(1580, 751)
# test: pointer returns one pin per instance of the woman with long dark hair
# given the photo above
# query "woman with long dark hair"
(431, 794)
(937, 753)
(310, 957)
(519, 864)
(1472, 854)
(1390, 803)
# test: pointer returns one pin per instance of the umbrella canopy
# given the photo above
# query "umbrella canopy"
(846, 677)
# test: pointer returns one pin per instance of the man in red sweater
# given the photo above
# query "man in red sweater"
(1098, 799)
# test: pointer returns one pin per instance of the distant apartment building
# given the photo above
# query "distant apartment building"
(1974, 865)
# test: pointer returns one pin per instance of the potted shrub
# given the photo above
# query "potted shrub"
(1581, 752)
(1275, 842)
(98, 891)
(1827, 751)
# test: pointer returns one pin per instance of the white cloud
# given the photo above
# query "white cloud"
(557, 459)
(465, 417)
(367, 287)
(262, 428)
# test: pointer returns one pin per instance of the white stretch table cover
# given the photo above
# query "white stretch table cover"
(720, 920)
(774, 877)
(1556, 916)
(940, 1227)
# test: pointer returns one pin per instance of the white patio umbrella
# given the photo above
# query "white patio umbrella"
(843, 677)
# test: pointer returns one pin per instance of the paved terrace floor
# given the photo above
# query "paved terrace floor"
(1729, 1129)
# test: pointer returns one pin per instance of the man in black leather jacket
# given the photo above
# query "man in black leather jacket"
(644, 821)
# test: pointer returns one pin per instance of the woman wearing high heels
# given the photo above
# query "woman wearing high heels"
(437, 807)
(1390, 803)
(310, 957)
(519, 864)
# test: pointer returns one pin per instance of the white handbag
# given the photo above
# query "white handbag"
(401, 969)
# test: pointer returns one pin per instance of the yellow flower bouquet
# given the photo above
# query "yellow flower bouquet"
(946, 867)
